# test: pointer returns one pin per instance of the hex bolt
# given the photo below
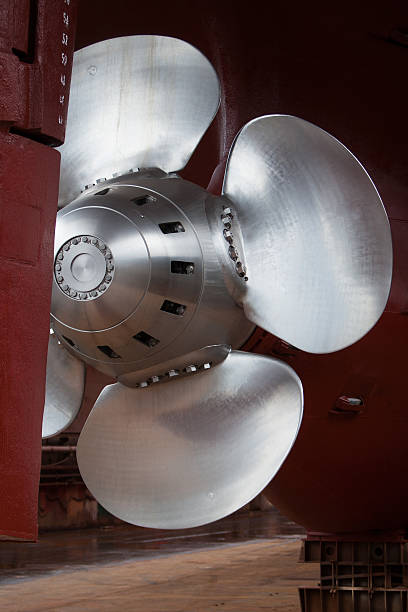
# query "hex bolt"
(102, 287)
(89, 186)
(227, 210)
(85, 239)
(172, 373)
(226, 219)
(109, 267)
(94, 241)
(58, 267)
(67, 246)
(108, 278)
(240, 269)
(75, 240)
(108, 255)
(65, 287)
(73, 293)
(227, 225)
(100, 180)
(144, 383)
(191, 368)
(60, 256)
(233, 253)
(94, 293)
(228, 236)
(60, 279)
(206, 366)
(83, 296)
(102, 246)
(154, 379)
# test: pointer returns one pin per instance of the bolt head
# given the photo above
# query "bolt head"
(228, 236)
(172, 373)
(191, 368)
(233, 253)
(240, 269)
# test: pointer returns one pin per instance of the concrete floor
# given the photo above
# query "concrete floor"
(243, 563)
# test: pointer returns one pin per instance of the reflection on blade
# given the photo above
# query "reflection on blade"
(64, 388)
(316, 237)
(190, 451)
(135, 101)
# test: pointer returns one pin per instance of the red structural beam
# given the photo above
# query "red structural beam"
(36, 46)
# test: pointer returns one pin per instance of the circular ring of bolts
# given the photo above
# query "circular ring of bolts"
(66, 254)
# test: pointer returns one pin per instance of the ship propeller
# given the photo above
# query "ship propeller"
(304, 248)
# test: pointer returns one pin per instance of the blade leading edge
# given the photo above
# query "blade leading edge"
(64, 388)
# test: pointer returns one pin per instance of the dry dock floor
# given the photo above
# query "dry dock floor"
(213, 573)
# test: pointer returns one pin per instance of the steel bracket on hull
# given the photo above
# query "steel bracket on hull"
(357, 576)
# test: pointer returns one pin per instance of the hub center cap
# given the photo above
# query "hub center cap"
(84, 268)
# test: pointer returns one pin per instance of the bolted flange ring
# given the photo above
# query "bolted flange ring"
(84, 268)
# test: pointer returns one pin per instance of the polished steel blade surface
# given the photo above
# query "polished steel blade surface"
(316, 236)
(64, 388)
(135, 101)
(190, 451)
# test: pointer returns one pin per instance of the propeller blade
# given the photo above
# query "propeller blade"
(188, 452)
(316, 237)
(135, 101)
(64, 388)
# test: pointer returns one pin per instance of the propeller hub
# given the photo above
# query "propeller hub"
(84, 268)
(137, 279)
